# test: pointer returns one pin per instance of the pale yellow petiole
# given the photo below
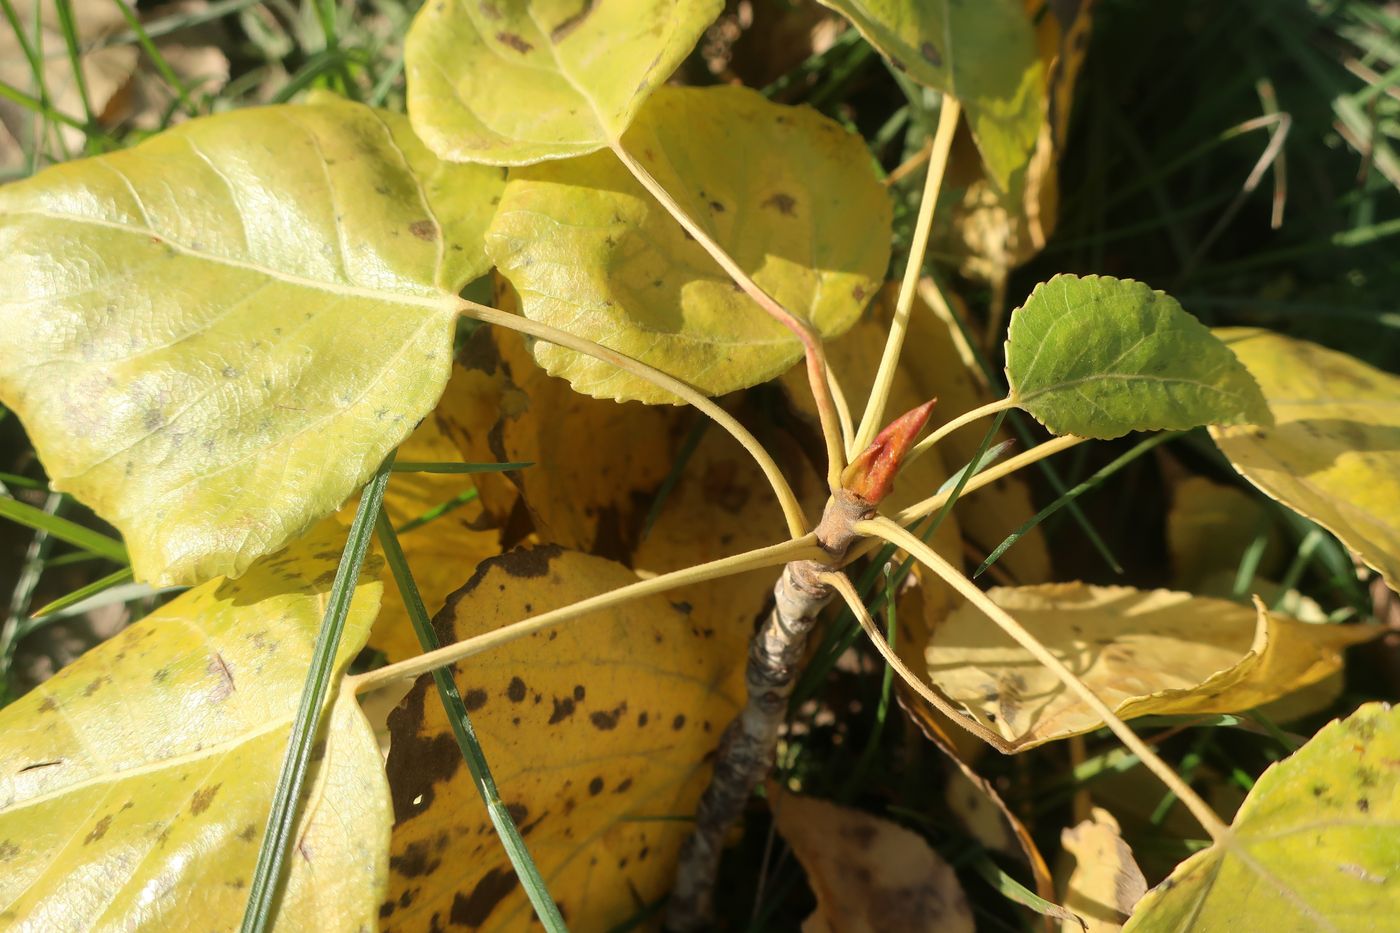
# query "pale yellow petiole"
(818, 373)
(990, 475)
(893, 533)
(966, 418)
(874, 416)
(787, 499)
(803, 548)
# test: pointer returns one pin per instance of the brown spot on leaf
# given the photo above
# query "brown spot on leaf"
(515, 692)
(931, 55)
(561, 32)
(784, 204)
(472, 910)
(219, 667)
(623, 787)
(679, 722)
(248, 833)
(8, 850)
(474, 699)
(48, 706)
(423, 230)
(595, 786)
(417, 860)
(607, 721)
(417, 762)
(563, 709)
(203, 798)
(99, 830)
(517, 43)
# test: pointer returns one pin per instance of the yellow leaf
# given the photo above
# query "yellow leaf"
(596, 732)
(1142, 651)
(1106, 881)
(1209, 528)
(440, 552)
(788, 193)
(216, 336)
(512, 82)
(1314, 846)
(597, 463)
(1332, 454)
(869, 875)
(995, 227)
(137, 782)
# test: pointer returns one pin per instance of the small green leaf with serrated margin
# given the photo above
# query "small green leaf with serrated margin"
(135, 784)
(1099, 357)
(1313, 846)
(983, 52)
(510, 82)
(216, 336)
(786, 191)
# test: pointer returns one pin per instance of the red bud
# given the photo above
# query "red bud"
(871, 475)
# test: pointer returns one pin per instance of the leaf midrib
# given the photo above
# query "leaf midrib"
(445, 302)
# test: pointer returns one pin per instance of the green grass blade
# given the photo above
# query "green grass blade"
(281, 821)
(83, 592)
(38, 106)
(23, 482)
(69, 27)
(525, 868)
(157, 59)
(1070, 495)
(423, 466)
(63, 529)
(461, 499)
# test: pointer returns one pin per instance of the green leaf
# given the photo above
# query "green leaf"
(510, 82)
(1099, 357)
(1313, 847)
(137, 780)
(214, 338)
(982, 52)
(787, 192)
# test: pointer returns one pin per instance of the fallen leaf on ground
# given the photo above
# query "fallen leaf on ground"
(869, 875)
(1106, 882)
(597, 733)
(1141, 651)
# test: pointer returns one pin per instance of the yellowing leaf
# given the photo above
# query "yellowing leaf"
(596, 732)
(1142, 651)
(1332, 453)
(1314, 846)
(1106, 881)
(136, 783)
(1209, 528)
(787, 192)
(1099, 357)
(596, 463)
(994, 227)
(442, 550)
(982, 53)
(511, 82)
(216, 336)
(869, 875)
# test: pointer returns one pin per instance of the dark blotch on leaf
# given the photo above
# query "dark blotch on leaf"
(515, 692)
(99, 830)
(472, 910)
(563, 709)
(423, 230)
(474, 700)
(931, 55)
(595, 786)
(784, 204)
(561, 32)
(679, 722)
(203, 798)
(521, 46)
